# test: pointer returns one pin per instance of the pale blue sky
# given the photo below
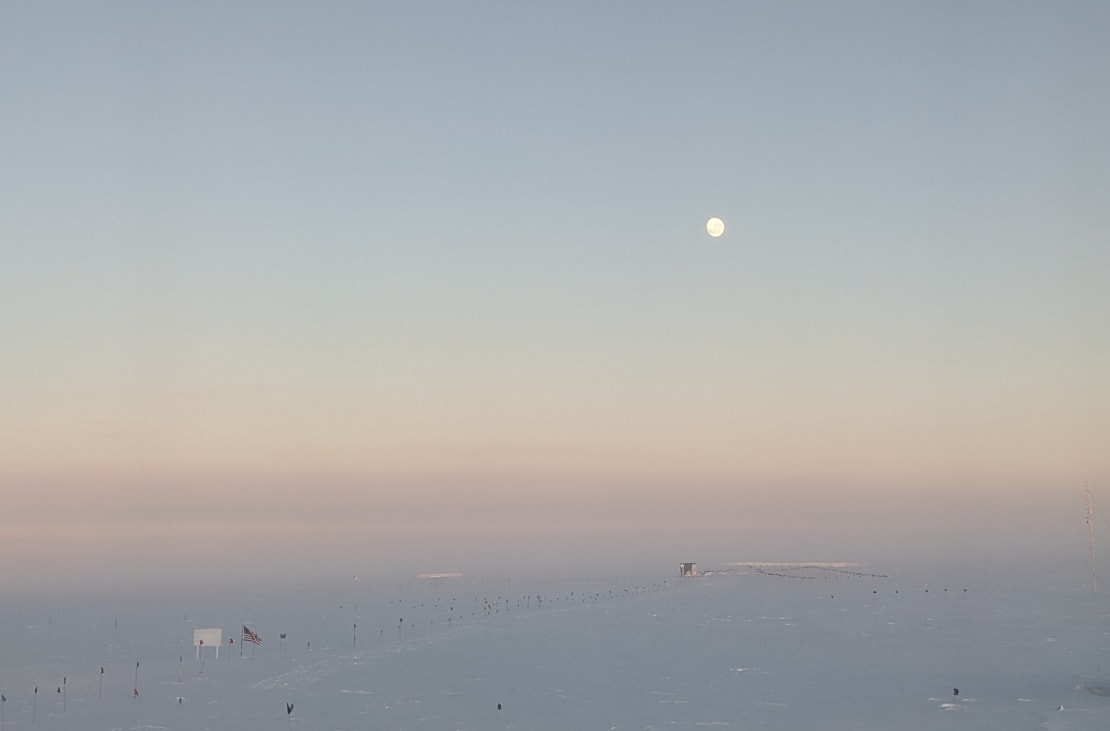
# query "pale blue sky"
(468, 239)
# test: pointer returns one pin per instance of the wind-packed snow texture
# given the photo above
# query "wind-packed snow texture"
(732, 650)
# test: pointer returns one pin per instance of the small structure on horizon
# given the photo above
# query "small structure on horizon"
(688, 569)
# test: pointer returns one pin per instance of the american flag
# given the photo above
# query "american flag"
(249, 636)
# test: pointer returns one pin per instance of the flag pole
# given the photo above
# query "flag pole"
(35, 705)
(100, 685)
(136, 694)
(63, 694)
(252, 637)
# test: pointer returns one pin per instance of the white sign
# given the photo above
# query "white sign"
(208, 638)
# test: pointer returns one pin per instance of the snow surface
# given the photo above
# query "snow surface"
(739, 650)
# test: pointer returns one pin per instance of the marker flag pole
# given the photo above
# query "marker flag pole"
(35, 704)
(100, 685)
(136, 694)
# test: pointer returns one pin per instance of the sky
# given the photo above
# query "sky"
(291, 288)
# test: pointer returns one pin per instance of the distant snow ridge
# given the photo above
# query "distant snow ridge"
(799, 572)
(805, 570)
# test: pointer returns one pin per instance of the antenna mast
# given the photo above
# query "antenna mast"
(1090, 537)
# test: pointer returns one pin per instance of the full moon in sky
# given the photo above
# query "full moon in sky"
(715, 227)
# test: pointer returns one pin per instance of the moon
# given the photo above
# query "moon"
(715, 227)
